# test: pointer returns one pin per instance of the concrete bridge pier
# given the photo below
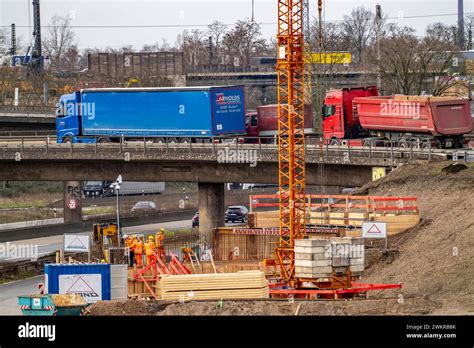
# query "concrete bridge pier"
(211, 209)
(72, 202)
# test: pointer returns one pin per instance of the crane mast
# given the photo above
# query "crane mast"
(290, 69)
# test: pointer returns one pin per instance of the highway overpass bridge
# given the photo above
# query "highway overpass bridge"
(26, 120)
(209, 164)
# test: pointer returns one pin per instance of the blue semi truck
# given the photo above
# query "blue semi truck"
(179, 114)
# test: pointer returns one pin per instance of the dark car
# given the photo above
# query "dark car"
(237, 213)
(195, 220)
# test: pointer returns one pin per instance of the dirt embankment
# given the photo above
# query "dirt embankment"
(434, 261)
(262, 307)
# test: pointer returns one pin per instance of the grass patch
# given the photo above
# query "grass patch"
(19, 276)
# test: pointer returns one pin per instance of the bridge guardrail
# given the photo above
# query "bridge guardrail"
(263, 147)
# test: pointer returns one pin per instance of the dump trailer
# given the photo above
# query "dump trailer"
(263, 122)
(362, 117)
(173, 114)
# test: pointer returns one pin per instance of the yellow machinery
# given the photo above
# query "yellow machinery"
(105, 236)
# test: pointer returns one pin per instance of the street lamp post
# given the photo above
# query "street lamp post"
(116, 187)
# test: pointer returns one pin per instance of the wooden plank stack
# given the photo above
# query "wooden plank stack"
(227, 286)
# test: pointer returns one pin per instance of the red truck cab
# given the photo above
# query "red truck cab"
(340, 119)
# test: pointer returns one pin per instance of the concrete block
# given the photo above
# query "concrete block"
(308, 256)
(340, 261)
(303, 256)
(359, 261)
(322, 269)
(311, 242)
(313, 263)
(357, 268)
(310, 250)
(357, 241)
(319, 242)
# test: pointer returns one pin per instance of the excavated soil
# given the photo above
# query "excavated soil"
(434, 261)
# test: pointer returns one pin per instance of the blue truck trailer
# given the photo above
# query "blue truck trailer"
(178, 114)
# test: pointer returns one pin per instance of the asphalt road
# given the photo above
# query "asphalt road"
(47, 245)
(10, 291)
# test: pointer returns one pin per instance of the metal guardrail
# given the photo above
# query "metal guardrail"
(29, 110)
(261, 147)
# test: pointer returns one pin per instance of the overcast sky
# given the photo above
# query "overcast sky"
(199, 12)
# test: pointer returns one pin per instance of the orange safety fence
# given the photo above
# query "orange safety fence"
(369, 204)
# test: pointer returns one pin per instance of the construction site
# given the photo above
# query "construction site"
(296, 166)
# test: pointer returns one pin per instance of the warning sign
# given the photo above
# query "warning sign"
(374, 230)
(76, 242)
(72, 204)
(89, 286)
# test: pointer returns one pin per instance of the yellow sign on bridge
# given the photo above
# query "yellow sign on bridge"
(329, 58)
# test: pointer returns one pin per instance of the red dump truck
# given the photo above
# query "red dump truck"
(362, 117)
(264, 121)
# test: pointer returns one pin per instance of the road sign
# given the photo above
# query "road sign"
(72, 204)
(76, 242)
(378, 173)
(374, 230)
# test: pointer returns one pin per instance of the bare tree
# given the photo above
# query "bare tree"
(4, 40)
(412, 65)
(358, 30)
(245, 40)
(59, 40)
(216, 31)
(193, 48)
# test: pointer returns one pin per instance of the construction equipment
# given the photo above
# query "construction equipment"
(36, 63)
(290, 68)
(53, 305)
(105, 236)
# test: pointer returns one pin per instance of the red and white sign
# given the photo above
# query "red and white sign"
(89, 286)
(374, 230)
(72, 204)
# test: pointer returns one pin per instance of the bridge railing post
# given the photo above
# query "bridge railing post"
(370, 149)
(144, 145)
(349, 150)
(429, 150)
(190, 145)
(260, 144)
(391, 150)
(96, 142)
(166, 143)
(213, 145)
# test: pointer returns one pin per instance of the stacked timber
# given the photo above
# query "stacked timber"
(227, 286)
(320, 258)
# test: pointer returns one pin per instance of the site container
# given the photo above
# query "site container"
(184, 112)
(438, 116)
(91, 281)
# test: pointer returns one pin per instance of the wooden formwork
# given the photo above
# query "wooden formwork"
(400, 213)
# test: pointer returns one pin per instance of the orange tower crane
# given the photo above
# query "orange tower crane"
(291, 149)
